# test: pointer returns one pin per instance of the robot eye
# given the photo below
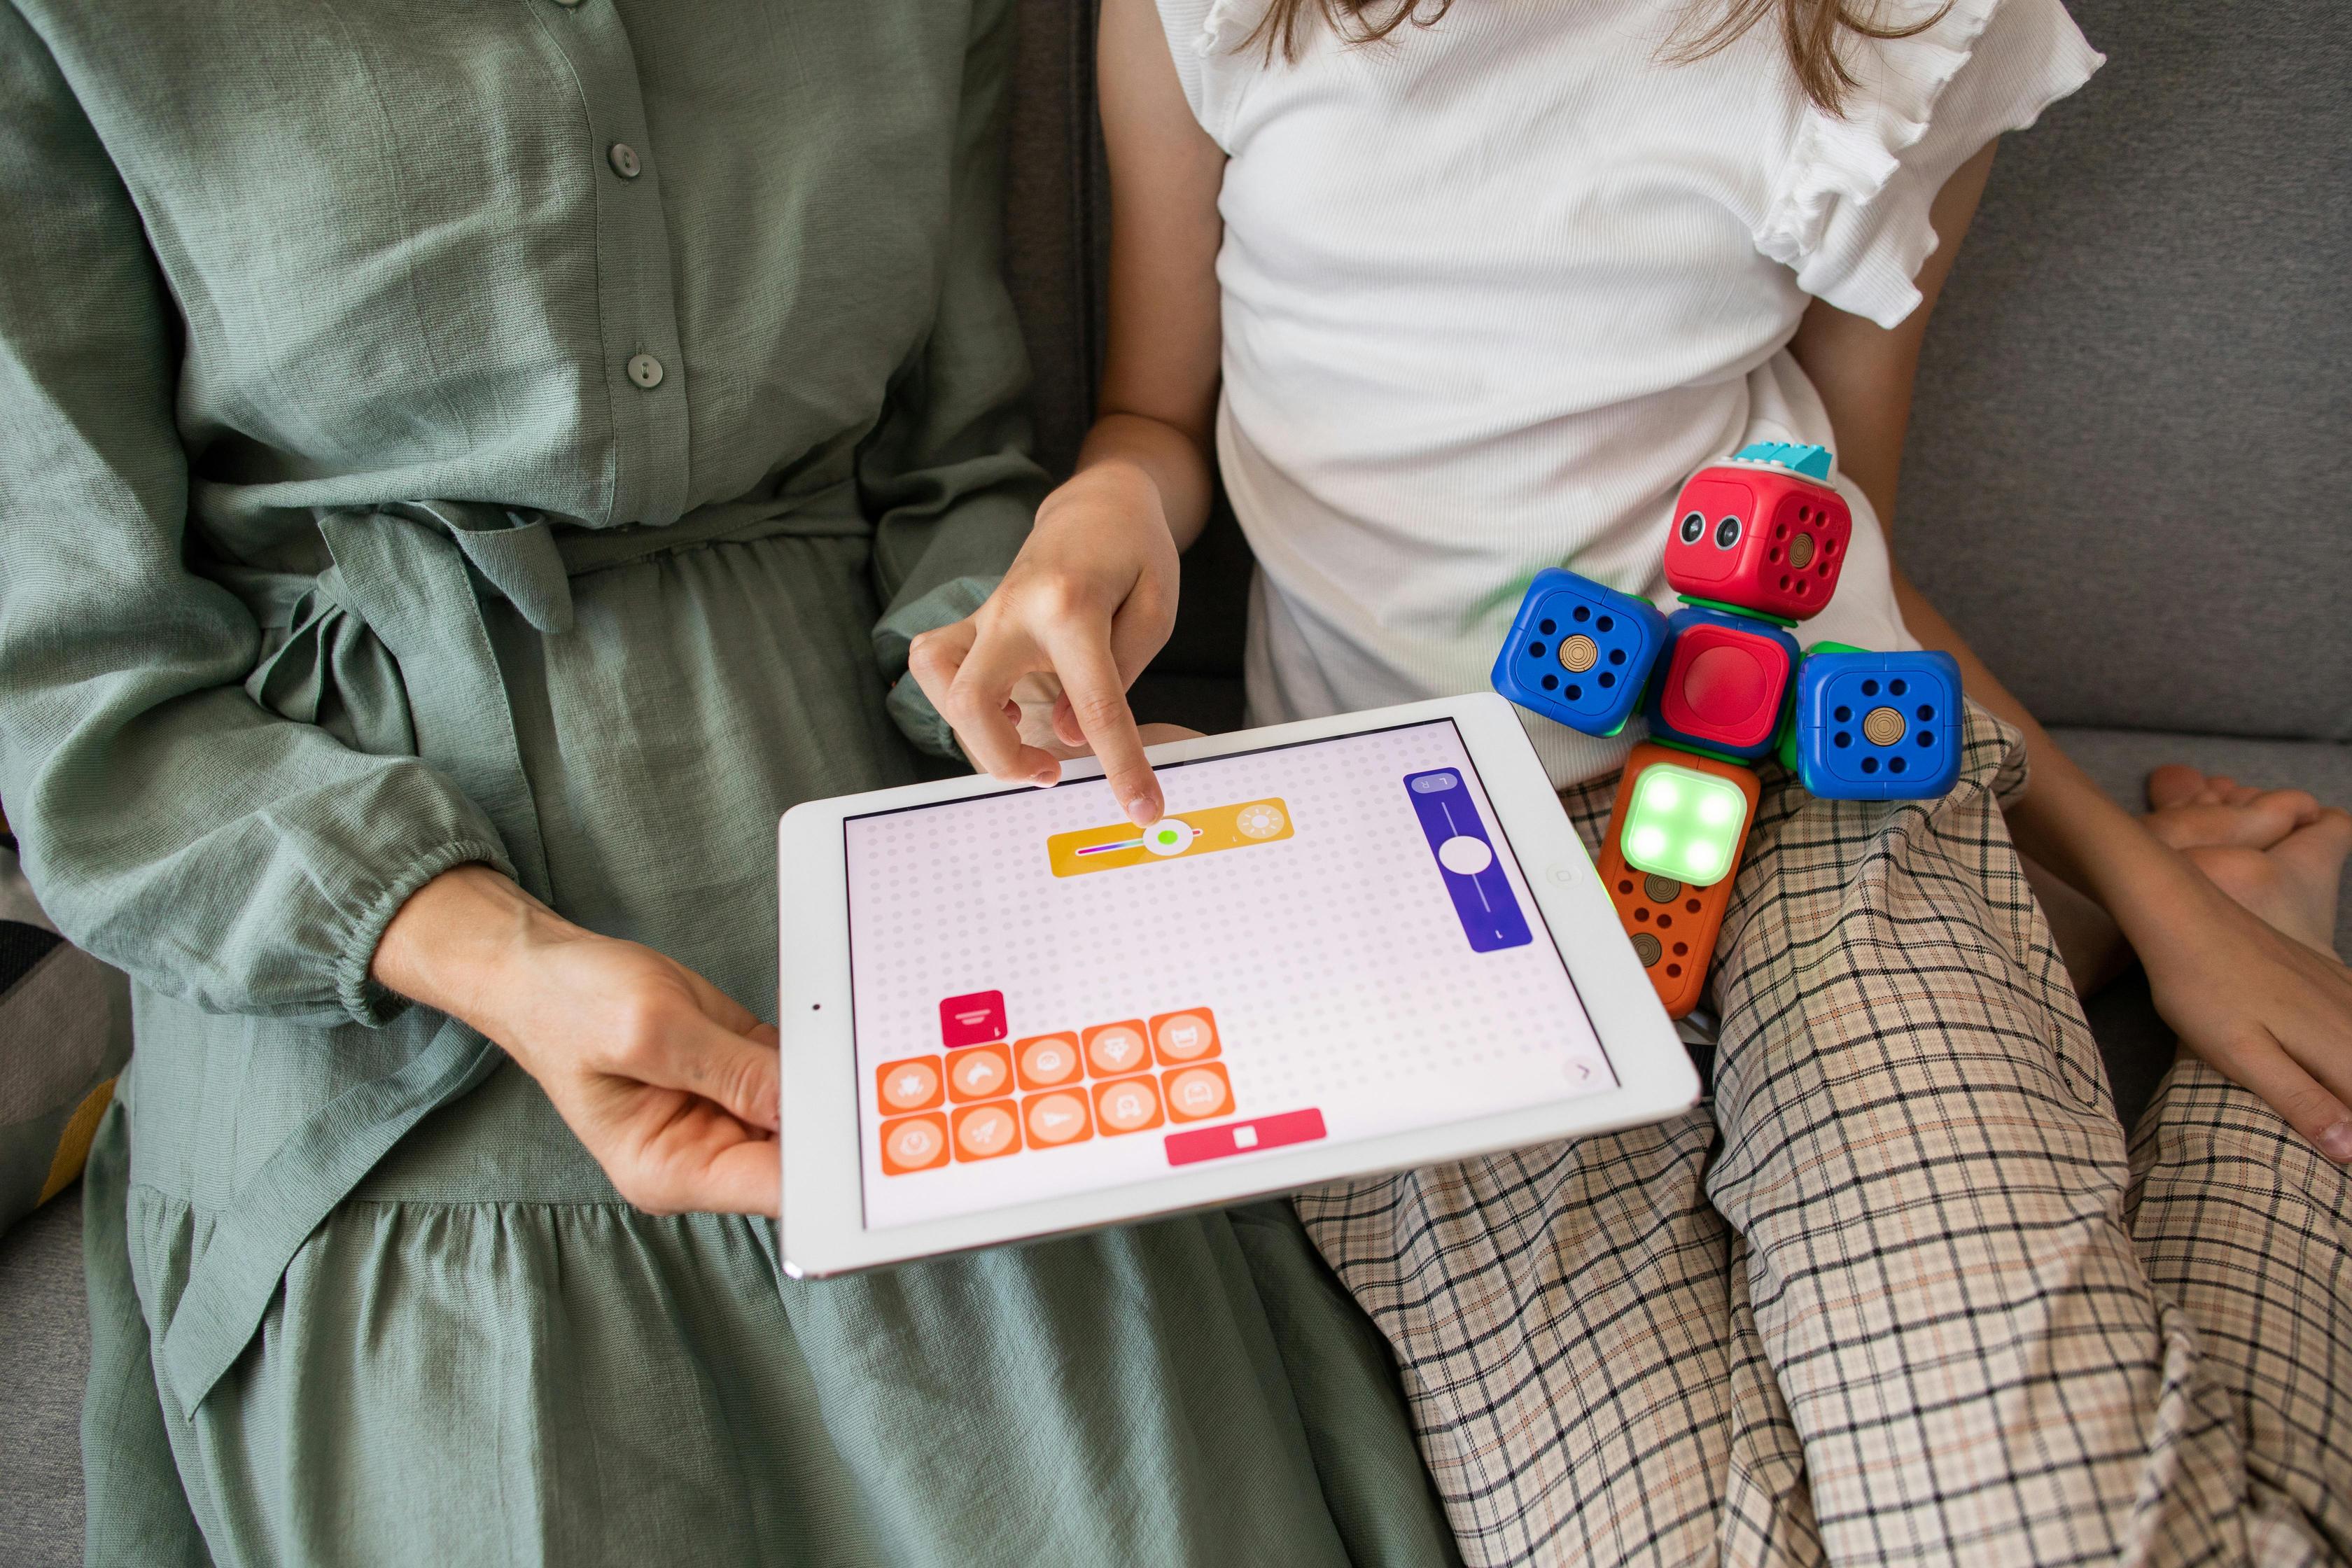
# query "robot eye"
(1727, 533)
(1693, 528)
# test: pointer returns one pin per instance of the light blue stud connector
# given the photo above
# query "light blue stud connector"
(1813, 462)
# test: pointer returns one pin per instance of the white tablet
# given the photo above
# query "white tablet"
(1353, 945)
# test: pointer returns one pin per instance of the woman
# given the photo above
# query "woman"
(460, 464)
(1450, 293)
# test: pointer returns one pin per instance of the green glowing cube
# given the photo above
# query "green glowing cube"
(1683, 825)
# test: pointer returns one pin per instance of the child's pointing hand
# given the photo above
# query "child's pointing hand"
(1090, 598)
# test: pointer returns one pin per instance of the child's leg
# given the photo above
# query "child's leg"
(1920, 1151)
(1572, 1330)
(2245, 1226)
(1569, 1325)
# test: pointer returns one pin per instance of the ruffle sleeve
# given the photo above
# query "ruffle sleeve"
(1206, 37)
(1850, 211)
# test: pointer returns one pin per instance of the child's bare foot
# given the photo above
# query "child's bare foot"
(2278, 852)
(2190, 810)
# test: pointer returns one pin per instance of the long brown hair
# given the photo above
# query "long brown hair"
(1813, 30)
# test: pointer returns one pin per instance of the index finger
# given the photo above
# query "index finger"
(1097, 698)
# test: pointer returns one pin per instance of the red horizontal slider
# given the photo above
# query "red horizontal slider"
(1200, 1143)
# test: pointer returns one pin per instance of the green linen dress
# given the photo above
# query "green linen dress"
(528, 432)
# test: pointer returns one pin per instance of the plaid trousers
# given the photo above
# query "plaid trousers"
(1899, 1294)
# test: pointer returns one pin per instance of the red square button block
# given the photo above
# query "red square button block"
(1726, 681)
(973, 1019)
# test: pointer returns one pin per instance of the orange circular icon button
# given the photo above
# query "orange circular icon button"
(1055, 1119)
(1114, 1048)
(1127, 1105)
(910, 1085)
(1047, 1061)
(916, 1144)
(1197, 1093)
(986, 1132)
(979, 1072)
(1184, 1037)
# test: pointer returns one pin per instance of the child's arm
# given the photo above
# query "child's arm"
(2261, 1007)
(1093, 593)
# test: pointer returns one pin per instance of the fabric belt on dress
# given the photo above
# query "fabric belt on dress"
(408, 572)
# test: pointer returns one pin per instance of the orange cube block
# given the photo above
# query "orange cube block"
(1673, 924)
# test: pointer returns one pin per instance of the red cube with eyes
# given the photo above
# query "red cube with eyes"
(1760, 537)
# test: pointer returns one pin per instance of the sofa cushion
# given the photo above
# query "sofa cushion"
(65, 1032)
(1056, 234)
(44, 1326)
(2128, 466)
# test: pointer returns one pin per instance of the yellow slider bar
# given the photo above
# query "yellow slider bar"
(1202, 832)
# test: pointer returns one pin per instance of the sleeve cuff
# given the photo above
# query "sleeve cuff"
(951, 601)
(365, 999)
(1852, 212)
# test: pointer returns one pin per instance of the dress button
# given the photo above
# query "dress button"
(645, 370)
(568, 4)
(624, 160)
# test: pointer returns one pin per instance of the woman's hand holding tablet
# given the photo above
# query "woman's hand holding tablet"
(1350, 945)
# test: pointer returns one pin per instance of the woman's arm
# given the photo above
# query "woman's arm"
(2261, 1007)
(672, 1086)
(1093, 593)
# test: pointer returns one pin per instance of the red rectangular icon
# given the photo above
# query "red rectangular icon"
(973, 1019)
(1244, 1136)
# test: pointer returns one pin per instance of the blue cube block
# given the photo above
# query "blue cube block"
(1879, 726)
(1579, 653)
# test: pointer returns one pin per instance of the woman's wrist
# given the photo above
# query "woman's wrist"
(459, 942)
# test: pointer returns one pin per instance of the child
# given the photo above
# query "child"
(1461, 293)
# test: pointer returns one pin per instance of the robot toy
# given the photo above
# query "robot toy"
(1757, 547)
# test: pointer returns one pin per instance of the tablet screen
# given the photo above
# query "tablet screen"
(1320, 942)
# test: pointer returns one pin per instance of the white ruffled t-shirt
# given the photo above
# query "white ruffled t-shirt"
(1494, 287)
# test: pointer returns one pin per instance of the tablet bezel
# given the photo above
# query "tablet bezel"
(823, 1229)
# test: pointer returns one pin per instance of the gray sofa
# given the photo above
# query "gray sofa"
(2128, 483)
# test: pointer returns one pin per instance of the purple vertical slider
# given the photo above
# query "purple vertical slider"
(1465, 857)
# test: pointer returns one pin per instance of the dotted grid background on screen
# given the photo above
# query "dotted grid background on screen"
(1333, 960)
